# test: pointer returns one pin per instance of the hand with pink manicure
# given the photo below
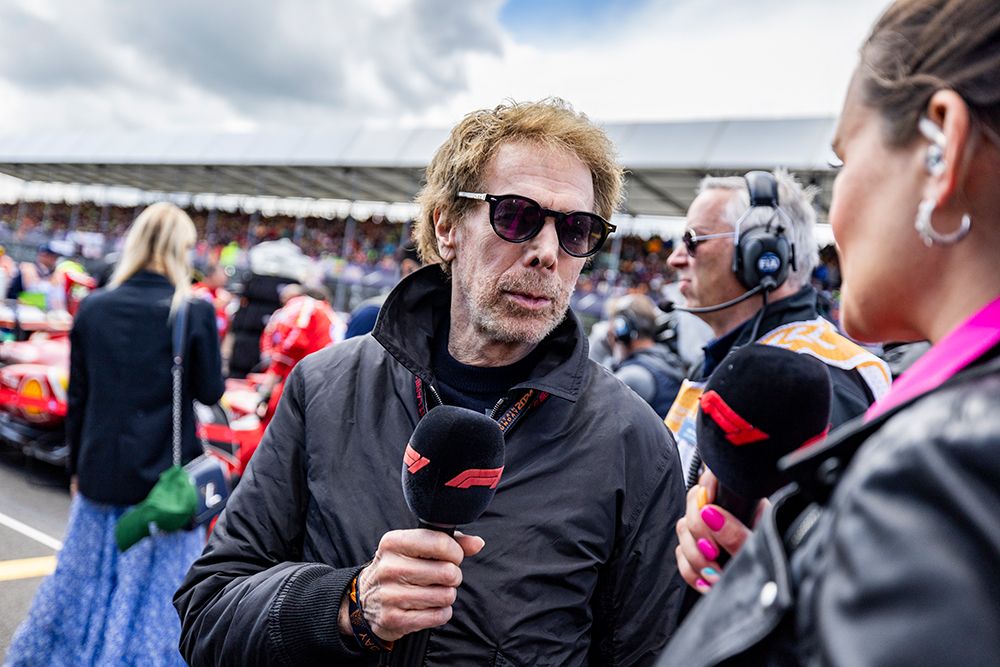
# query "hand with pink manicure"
(703, 533)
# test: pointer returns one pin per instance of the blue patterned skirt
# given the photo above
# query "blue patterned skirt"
(103, 607)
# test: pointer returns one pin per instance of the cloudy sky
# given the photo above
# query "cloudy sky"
(248, 64)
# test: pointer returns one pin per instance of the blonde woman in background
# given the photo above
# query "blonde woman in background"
(101, 606)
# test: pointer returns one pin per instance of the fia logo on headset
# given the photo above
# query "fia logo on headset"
(768, 263)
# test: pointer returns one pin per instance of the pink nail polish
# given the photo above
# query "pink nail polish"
(707, 549)
(713, 518)
(702, 585)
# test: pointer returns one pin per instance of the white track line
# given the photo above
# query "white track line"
(28, 531)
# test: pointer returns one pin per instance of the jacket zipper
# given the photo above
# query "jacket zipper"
(495, 412)
(801, 527)
(434, 394)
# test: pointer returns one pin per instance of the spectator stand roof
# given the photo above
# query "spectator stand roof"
(384, 166)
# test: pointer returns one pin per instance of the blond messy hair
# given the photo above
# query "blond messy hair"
(461, 163)
(159, 240)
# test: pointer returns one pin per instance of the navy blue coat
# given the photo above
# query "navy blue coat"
(118, 423)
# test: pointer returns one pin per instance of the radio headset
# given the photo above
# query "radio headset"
(762, 256)
(628, 326)
(625, 329)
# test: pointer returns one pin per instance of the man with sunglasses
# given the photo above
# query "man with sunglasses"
(570, 567)
(713, 291)
(779, 312)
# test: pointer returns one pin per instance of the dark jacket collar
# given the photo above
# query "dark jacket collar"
(798, 307)
(144, 277)
(417, 305)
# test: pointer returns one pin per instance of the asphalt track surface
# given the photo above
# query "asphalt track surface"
(34, 509)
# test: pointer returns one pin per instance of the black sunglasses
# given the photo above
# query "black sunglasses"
(692, 240)
(518, 219)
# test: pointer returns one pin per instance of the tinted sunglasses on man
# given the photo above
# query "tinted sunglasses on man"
(692, 241)
(518, 219)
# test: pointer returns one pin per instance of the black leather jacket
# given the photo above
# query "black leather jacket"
(893, 527)
(575, 567)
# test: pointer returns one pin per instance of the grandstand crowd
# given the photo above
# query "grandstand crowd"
(374, 246)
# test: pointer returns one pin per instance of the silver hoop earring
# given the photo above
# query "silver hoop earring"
(930, 235)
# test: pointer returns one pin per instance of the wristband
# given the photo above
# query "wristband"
(363, 633)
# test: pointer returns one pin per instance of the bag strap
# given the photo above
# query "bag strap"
(177, 345)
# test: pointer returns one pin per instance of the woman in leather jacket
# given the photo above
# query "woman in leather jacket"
(885, 549)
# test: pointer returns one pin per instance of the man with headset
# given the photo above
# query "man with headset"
(744, 267)
(647, 367)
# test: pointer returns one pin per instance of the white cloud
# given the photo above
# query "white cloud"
(697, 59)
(232, 64)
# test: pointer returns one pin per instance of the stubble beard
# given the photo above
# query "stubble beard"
(501, 320)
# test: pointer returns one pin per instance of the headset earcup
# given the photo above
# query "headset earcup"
(762, 255)
(623, 328)
(747, 252)
(786, 254)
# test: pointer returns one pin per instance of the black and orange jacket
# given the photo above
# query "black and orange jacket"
(578, 566)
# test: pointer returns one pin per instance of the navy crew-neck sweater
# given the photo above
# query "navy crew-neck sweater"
(475, 387)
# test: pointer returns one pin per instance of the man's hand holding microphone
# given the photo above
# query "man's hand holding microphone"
(451, 468)
(411, 582)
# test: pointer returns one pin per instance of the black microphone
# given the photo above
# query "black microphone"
(451, 468)
(761, 403)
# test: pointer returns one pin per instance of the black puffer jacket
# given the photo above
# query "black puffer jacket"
(894, 532)
(578, 561)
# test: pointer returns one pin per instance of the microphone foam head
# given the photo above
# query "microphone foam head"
(761, 403)
(452, 465)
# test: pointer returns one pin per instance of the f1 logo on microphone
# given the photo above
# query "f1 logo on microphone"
(476, 477)
(413, 460)
(737, 430)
